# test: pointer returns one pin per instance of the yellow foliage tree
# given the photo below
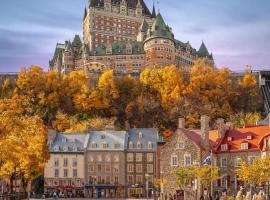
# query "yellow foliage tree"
(23, 151)
(206, 174)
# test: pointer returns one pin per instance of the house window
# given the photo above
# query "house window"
(181, 145)
(56, 173)
(116, 146)
(65, 162)
(130, 157)
(108, 179)
(130, 168)
(105, 145)
(116, 169)
(116, 158)
(187, 160)
(224, 181)
(224, 147)
(150, 168)
(116, 179)
(150, 157)
(130, 145)
(65, 173)
(139, 179)
(130, 179)
(237, 162)
(139, 168)
(139, 145)
(108, 158)
(139, 157)
(174, 160)
(75, 162)
(223, 162)
(91, 168)
(94, 145)
(99, 168)
(140, 135)
(75, 173)
(150, 145)
(251, 159)
(56, 162)
(244, 146)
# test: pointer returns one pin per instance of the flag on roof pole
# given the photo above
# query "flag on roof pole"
(207, 160)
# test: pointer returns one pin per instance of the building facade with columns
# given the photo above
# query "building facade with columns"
(125, 36)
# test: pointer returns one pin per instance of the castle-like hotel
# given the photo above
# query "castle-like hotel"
(125, 36)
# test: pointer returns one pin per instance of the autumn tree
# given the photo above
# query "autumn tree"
(23, 151)
(209, 92)
(206, 174)
(242, 119)
(184, 176)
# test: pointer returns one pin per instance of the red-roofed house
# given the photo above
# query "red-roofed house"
(187, 147)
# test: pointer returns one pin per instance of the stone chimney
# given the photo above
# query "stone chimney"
(181, 123)
(51, 135)
(205, 131)
(221, 127)
(127, 125)
(229, 125)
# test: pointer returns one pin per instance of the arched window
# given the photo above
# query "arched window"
(139, 145)
(150, 145)
(130, 145)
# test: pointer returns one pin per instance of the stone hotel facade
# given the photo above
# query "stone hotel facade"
(125, 36)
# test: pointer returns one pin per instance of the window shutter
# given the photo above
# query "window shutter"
(218, 182)
(228, 181)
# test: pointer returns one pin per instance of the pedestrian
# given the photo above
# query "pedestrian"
(224, 195)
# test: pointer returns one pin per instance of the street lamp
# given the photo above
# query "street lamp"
(162, 185)
(147, 186)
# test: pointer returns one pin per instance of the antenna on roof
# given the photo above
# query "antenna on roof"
(158, 6)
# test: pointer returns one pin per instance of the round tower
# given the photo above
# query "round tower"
(159, 45)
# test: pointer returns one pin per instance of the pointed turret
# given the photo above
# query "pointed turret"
(203, 51)
(85, 14)
(144, 26)
(77, 41)
(154, 14)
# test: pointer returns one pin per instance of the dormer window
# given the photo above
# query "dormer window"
(244, 146)
(150, 145)
(94, 145)
(65, 148)
(56, 148)
(130, 145)
(224, 147)
(64, 140)
(140, 135)
(230, 139)
(75, 148)
(139, 145)
(116, 146)
(103, 137)
(105, 145)
(249, 137)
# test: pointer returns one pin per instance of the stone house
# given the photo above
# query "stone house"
(141, 162)
(105, 164)
(246, 144)
(185, 148)
(65, 169)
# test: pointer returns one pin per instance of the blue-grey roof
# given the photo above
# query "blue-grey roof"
(69, 143)
(115, 140)
(144, 136)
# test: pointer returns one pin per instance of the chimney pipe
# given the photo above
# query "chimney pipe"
(205, 131)
(181, 123)
(221, 127)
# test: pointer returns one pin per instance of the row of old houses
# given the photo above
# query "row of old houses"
(126, 163)
(106, 164)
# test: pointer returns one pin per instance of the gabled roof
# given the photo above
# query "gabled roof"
(68, 142)
(130, 4)
(194, 136)
(239, 136)
(203, 51)
(148, 135)
(110, 138)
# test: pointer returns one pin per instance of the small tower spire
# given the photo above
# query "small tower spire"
(154, 14)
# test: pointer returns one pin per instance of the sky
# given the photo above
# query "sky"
(236, 31)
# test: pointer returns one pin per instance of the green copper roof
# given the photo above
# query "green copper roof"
(160, 30)
(203, 51)
(144, 26)
(77, 41)
(118, 48)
